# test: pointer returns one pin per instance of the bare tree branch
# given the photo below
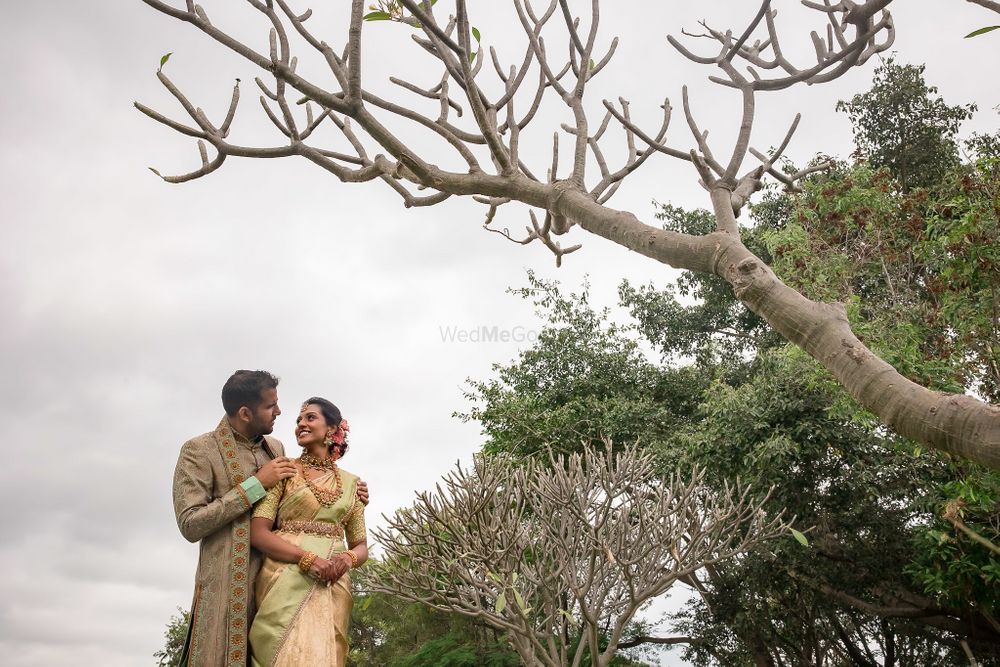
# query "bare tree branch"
(988, 4)
(854, 31)
(585, 539)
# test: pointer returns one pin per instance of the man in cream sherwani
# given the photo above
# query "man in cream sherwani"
(219, 477)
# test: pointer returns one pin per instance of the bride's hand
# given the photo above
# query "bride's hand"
(341, 564)
(325, 569)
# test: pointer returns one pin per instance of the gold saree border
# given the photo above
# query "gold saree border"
(311, 527)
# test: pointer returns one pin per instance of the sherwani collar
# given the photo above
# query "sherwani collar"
(225, 428)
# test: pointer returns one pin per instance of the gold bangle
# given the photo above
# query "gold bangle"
(306, 562)
(354, 558)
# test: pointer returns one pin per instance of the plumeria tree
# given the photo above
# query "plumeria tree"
(560, 552)
(479, 102)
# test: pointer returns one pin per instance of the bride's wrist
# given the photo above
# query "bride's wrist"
(352, 557)
(307, 562)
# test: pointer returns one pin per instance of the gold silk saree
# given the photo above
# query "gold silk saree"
(301, 620)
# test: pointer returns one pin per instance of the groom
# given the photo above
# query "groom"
(219, 477)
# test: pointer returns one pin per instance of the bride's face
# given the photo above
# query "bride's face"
(310, 427)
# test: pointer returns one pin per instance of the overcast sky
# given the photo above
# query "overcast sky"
(127, 302)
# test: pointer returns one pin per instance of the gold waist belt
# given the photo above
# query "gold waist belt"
(312, 527)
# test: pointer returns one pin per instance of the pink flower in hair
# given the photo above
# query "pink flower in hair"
(341, 434)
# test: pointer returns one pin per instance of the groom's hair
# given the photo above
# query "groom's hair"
(245, 388)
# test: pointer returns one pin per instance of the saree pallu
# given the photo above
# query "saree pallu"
(301, 620)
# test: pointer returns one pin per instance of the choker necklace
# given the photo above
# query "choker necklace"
(310, 461)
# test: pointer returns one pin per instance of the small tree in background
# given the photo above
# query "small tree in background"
(389, 632)
(175, 635)
(560, 553)
(902, 124)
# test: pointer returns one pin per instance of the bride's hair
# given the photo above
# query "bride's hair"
(333, 418)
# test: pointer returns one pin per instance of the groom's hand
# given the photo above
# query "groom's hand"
(363, 492)
(270, 473)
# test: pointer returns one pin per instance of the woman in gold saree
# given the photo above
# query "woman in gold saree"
(303, 590)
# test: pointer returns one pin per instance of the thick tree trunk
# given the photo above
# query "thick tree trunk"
(953, 423)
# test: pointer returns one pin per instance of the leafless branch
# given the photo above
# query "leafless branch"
(833, 57)
(605, 534)
(988, 4)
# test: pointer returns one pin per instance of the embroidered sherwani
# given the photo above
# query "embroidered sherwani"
(214, 491)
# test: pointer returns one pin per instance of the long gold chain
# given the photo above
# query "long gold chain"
(325, 497)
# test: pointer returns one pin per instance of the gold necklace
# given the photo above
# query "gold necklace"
(323, 496)
(308, 460)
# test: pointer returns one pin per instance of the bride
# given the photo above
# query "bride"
(303, 590)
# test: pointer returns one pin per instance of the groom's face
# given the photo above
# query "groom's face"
(263, 415)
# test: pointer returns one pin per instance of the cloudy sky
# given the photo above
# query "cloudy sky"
(127, 301)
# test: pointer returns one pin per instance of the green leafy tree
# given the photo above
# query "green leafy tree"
(585, 380)
(901, 124)
(175, 635)
(927, 294)
(984, 147)
(774, 418)
(387, 631)
(901, 563)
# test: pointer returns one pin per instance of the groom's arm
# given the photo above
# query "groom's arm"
(198, 512)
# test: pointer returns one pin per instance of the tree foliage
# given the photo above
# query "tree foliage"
(924, 292)
(585, 380)
(902, 554)
(175, 635)
(901, 124)
(387, 631)
(866, 500)
(901, 565)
